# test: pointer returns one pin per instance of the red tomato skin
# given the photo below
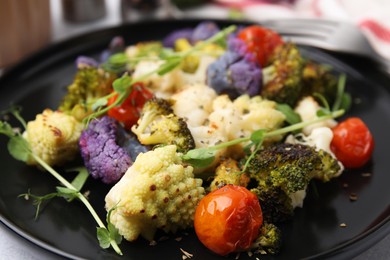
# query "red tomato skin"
(260, 41)
(129, 111)
(352, 143)
(228, 219)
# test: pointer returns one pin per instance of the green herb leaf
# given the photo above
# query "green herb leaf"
(79, 181)
(103, 236)
(168, 66)
(322, 112)
(346, 101)
(118, 59)
(291, 116)
(38, 200)
(258, 136)
(112, 230)
(19, 148)
(199, 158)
(67, 193)
(340, 92)
(121, 84)
(101, 102)
(323, 100)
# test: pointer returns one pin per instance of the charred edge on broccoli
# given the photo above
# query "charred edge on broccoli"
(277, 172)
(283, 76)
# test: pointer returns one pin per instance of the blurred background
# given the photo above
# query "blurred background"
(28, 25)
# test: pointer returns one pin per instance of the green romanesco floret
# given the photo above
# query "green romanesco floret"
(53, 136)
(89, 84)
(282, 173)
(282, 78)
(159, 125)
(269, 240)
(156, 192)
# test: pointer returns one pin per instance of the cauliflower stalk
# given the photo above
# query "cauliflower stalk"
(156, 192)
(53, 136)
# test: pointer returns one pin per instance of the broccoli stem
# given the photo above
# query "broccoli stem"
(80, 196)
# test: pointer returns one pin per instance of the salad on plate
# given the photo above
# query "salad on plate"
(217, 129)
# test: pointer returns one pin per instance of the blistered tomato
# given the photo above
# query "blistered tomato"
(352, 143)
(228, 219)
(260, 41)
(129, 111)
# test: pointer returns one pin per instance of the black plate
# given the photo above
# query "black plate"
(68, 230)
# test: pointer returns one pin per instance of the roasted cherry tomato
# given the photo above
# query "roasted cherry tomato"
(352, 143)
(260, 41)
(129, 111)
(228, 219)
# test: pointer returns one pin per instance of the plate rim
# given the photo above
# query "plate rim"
(351, 247)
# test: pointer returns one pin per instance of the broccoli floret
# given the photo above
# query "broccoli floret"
(283, 76)
(159, 125)
(282, 173)
(100, 150)
(235, 72)
(228, 172)
(318, 78)
(156, 192)
(53, 136)
(89, 84)
(269, 240)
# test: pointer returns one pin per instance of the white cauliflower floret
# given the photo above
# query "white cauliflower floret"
(53, 136)
(194, 104)
(244, 115)
(199, 76)
(307, 108)
(162, 86)
(157, 191)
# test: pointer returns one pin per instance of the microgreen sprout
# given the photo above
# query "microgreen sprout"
(203, 157)
(123, 85)
(20, 149)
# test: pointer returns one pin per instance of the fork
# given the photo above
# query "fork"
(328, 35)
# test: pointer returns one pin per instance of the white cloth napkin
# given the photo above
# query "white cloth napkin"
(372, 17)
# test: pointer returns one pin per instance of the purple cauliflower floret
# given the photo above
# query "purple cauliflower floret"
(170, 39)
(102, 155)
(116, 45)
(235, 72)
(203, 31)
(84, 61)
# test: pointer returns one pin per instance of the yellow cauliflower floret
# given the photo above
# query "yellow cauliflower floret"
(157, 191)
(53, 136)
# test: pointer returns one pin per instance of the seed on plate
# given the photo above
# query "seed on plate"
(343, 225)
(186, 255)
(366, 174)
(353, 196)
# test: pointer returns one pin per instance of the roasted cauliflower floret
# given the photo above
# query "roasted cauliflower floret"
(156, 192)
(245, 115)
(53, 136)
